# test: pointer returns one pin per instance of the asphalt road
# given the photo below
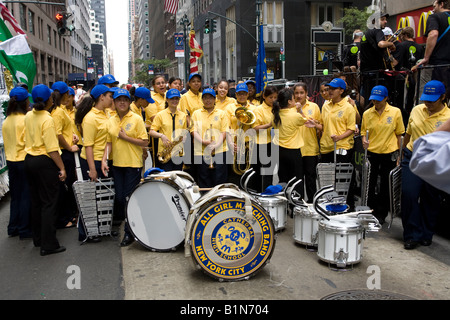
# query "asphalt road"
(104, 271)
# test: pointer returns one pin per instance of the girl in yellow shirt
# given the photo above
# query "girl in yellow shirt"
(223, 100)
(288, 123)
(13, 139)
(385, 125)
(42, 164)
(421, 202)
(64, 129)
(209, 132)
(264, 166)
(310, 150)
(125, 139)
(170, 125)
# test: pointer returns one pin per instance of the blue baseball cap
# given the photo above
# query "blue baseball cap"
(100, 89)
(194, 75)
(20, 94)
(379, 93)
(71, 92)
(432, 91)
(337, 83)
(250, 81)
(107, 79)
(209, 91)
(173, 93)
(41, 91)
(241, 87)
(120, 93)
(144, 93)
(62, 87)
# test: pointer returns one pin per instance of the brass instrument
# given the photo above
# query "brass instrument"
(175, 146)
(209, 135)
(245, 148)
(390, 59)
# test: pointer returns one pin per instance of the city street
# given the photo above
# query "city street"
(104, 271)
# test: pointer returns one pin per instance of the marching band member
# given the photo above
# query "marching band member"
(175, 83)
(159, 96)
(64, 130)
(288, 123)
(310, 150)
(13, 139)
(143, 104)
(251, 84)
(338, 118)
(45, 169)
(263, 126)
(192, 100)
(125, 139)
(93, 123)
(385, 125)
(209, 132)
(420, 201)
(235, 126)
(168, 126)
(223, 100)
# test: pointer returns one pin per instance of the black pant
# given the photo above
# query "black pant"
(20, 206)
(67, 206)
(207, 177)
(44, 185)
(290, 165)
(380, 165)
(263, 173)
(310, 175)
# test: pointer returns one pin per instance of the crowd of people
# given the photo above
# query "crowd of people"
(111, 129)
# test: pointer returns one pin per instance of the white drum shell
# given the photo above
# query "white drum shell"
(277, 207)
(157, 211)
(340, 242)
(306, 225)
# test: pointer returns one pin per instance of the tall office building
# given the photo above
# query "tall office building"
(100, 15)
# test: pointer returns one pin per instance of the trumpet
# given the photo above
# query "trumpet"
(245, 117)
(211, 137)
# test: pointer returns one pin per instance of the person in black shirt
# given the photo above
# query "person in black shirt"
(351, 51)
(438, 42)
(373, 48)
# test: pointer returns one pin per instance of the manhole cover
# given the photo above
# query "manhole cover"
(366, 295)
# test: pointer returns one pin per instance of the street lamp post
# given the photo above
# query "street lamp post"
(185, 23)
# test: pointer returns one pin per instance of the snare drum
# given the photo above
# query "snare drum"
(306, 225)
(158, 208)
(340, 241)
(224, 239)
(277, 207)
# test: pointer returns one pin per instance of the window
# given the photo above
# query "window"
(31, 21)
(49, 34)
(23, 17)
(325, 13)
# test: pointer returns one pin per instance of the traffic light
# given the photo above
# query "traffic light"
(207, 26)
(213, 25)
(61, 21)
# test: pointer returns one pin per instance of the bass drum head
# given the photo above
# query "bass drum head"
(226, 245)
(156, 215)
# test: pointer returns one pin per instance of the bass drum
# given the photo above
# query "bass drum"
(229, 235)
(158, 208)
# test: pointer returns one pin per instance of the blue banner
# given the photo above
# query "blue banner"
(261, 66)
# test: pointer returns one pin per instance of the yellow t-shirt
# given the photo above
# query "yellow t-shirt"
(221, 105)
(264, 115)
(164, 124)
(124, 153)
(136, 110)
(337, 118)
(63, 125)
(420, 123)
(40, 133)
(191, 102)
(95, 130)
(383, 129)
(255, 102)
(13, 137)
(311, 144)
(289, 134)
(71, 114)
(230, 111)
(202, 123)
